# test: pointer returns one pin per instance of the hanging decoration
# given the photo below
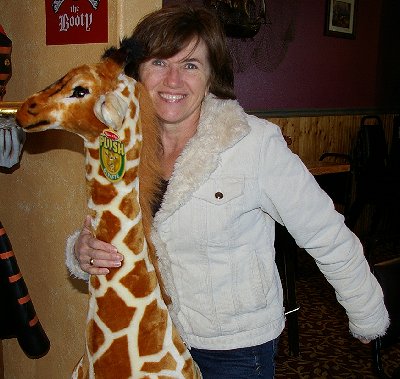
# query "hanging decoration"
(241, 18)
(267, 49)
(76, 21)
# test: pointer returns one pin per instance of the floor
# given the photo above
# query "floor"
(327, 350)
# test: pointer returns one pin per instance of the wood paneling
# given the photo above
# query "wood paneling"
(312, 136)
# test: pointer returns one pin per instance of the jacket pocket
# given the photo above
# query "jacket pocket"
(218, 206)
(220, 191)
(250, 284)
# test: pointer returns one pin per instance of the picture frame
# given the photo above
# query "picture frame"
(340, 18)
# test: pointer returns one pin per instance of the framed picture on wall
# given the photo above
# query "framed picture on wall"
(340, 18)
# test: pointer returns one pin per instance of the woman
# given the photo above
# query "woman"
(230, 176)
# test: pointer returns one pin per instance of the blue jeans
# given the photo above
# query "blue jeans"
(247, 363)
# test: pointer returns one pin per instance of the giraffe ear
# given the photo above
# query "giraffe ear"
(110, 109)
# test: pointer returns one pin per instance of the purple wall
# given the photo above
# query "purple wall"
(315, 71)
(319, 71)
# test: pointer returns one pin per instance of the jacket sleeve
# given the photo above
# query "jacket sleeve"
(70, 258)
(310, 217)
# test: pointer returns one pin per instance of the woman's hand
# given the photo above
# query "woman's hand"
(95, 256)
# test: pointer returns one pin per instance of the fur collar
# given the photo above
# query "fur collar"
(222, 124)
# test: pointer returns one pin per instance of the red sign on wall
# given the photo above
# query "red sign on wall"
(76, 21)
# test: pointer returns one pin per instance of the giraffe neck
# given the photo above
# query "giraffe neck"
(117, 304)
(127, 313)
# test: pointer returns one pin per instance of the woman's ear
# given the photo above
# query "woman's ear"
(207, 90)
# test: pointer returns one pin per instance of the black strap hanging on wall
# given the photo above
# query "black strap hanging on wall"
(18, 318)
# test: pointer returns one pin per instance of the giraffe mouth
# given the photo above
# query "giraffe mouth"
(37, 124)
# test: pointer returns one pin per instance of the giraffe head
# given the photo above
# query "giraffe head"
(69, 102)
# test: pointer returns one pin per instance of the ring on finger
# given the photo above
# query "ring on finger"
(91, 262)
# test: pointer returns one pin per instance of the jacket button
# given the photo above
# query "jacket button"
(219, 195)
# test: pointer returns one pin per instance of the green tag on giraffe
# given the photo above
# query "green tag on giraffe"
(112, 155)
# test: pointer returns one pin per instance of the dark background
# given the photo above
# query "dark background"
(291, 65)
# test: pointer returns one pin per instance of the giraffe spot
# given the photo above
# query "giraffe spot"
(130, 205)
(152, 329)
(108, 227)
(84, 368)
(94, 153)
(137, 92)
(113, 271)
(126, 92)
(133, 108)
(95, 282)
(138, 129)
(102, 194)
(134, 239)
(88, 169)
(113, 311)
(166, 363)
(177, 340)
(115, 362)
(130, 175)
(134, 153)
(139, 281)
(94, 336)
(82, 374)
(189, 370)
(127, 137)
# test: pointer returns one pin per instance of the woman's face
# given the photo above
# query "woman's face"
(177, 85)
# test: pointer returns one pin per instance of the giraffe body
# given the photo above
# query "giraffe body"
(129, 332)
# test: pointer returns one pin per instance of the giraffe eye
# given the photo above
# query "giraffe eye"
(79, 92)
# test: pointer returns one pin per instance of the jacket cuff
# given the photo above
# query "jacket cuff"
(70, 259)
(372, 332)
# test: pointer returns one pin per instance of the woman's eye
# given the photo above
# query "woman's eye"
(191, 66)
(158, 62)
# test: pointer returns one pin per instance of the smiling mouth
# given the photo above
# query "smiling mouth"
(172, 98)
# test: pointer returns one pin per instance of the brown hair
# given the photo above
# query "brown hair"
(165, 32)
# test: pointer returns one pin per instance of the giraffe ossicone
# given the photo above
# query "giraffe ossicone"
(129, 332)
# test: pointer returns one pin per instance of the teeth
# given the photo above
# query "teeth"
(172, 97)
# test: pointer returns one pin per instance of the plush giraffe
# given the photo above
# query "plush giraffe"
(129, 331)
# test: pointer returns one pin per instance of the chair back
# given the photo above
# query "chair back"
(370, 156)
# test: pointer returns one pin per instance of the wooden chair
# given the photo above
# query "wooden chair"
(286, 261)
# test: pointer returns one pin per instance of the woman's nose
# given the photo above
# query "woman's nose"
(173, 77)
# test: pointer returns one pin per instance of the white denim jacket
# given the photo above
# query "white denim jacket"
(214, 235)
